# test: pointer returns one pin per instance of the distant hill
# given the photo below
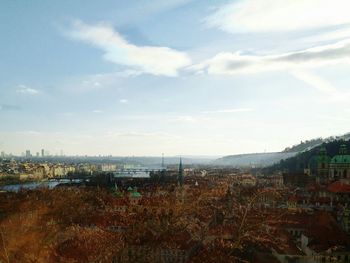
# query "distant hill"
(253, 159)
(273, 158)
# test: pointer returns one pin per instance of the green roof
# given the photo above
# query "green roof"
(130, 188)
(136, 194)
(342, 159)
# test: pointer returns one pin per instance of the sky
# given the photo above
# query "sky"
(179, 77)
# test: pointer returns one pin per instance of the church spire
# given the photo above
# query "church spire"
(180, 178)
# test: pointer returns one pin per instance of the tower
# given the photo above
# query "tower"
(180, 190)
(163, 166)
(343, 150)
(180, 177)
(323, 161)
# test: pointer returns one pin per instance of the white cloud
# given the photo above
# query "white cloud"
(97, 111)
(277, 15)
(341, 33)
(184, 118)
(23, 89)
(124, 101)
(238, 63)
(147, 59)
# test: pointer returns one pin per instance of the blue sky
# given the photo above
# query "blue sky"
(174, 77)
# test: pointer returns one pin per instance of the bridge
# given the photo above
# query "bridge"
(136, 172)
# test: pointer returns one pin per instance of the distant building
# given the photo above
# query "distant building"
(42, 152)
(28, 154)
(108, 167)
(2, 154)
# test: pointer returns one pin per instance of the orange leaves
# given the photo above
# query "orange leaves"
(88, 244)
(42, 223)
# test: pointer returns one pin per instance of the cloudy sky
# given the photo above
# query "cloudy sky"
(197, 77)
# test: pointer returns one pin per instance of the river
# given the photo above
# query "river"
(33, 185)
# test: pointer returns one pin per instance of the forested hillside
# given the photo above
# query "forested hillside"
(299, 162)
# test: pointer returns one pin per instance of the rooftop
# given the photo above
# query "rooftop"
(339, 187)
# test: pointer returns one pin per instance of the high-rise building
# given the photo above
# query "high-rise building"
(2, 154)
(37, 154)
(28, 155)
(42, 152)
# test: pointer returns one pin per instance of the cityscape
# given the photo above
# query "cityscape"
(177, 131)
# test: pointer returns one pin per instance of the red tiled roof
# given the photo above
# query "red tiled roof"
(324, 238)
(339, 187)
(321, 200)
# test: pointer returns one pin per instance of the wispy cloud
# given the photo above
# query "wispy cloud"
(238, 63)
(23, 89)
(66, 114)
(235, 110)
(147, 59)
(132, 134)
(321, 85)
(97, 111)
(275, 15)
(9, 107)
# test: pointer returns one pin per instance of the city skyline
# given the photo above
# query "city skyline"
(183, 77)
